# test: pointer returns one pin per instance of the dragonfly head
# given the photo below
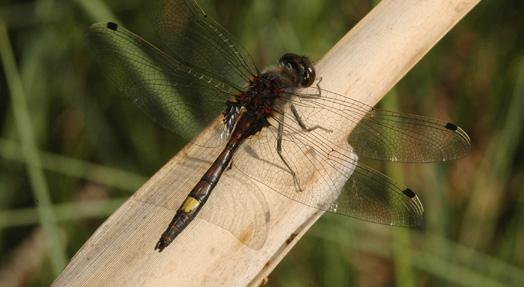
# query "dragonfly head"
(299, 68)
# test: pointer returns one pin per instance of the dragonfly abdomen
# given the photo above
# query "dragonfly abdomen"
(202, 190)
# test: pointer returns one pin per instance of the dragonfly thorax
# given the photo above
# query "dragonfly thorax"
(293, 71)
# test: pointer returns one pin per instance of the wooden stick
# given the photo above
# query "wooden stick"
(363, 65)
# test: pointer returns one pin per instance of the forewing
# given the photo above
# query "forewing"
(173, 94)
(313, 156)
(187, 33)
(386, 135)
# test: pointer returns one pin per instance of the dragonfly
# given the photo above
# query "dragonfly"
(267, 125)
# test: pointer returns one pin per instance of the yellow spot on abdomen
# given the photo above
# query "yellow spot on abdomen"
(189, 204)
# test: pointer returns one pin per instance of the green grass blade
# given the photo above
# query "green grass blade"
(461, 265)
(36, 176)
(76, 168)
(401, 244)
(97, 10)
(494, 173)
(63, 212)
(511, 136)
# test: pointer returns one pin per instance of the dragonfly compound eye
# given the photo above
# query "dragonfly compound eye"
(300, 67)
(308, 72)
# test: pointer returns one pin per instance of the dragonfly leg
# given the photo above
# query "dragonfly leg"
(279, 151)
(316, 95)
(318, 87)
(301, 123)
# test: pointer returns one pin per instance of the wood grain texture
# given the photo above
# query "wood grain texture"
(363, 65)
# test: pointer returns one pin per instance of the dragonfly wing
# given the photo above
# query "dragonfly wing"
(372, 196)
(294, 152)
(367, 194)
(185, 31)
(386, 135)
(173, 94)
(170, 191)
(243, 214)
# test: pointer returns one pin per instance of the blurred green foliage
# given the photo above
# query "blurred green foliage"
(94, 147)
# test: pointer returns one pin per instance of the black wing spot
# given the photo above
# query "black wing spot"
(112, 26)
(451, 126)
(409, 193)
